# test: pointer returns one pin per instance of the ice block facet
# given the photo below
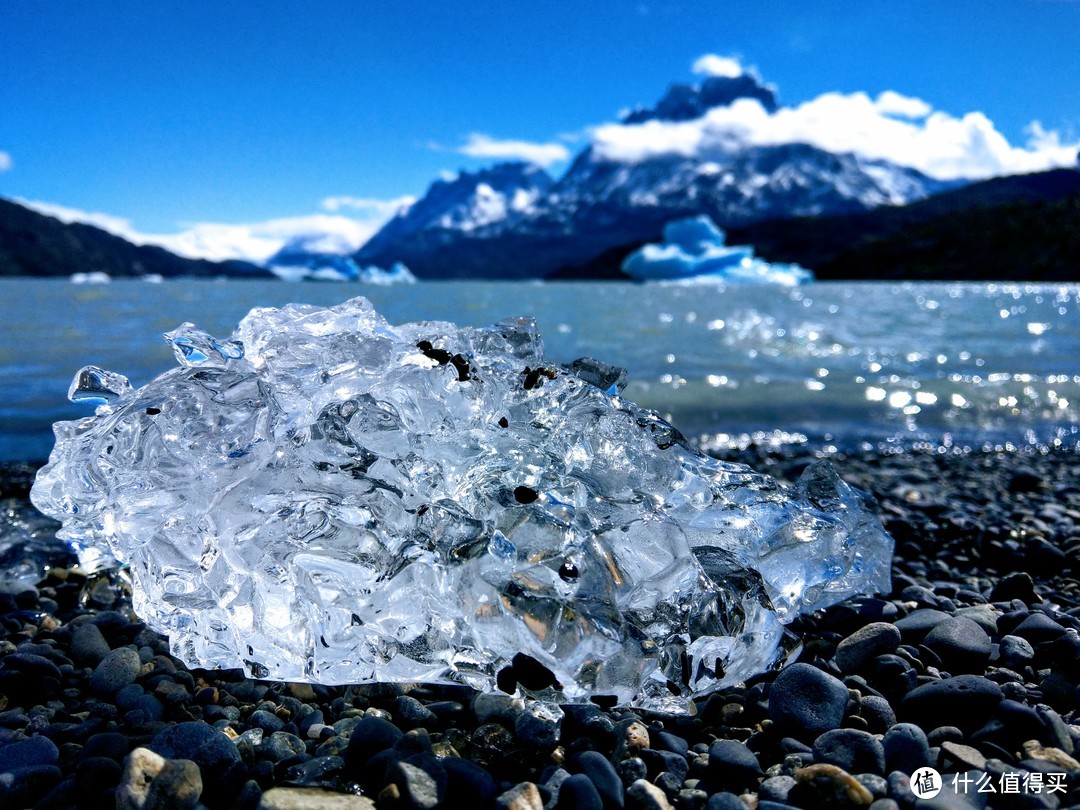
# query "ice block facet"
(326, 497)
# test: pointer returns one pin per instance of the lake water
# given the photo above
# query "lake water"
(833, 364)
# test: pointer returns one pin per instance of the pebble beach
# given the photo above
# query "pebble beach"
(967, 671)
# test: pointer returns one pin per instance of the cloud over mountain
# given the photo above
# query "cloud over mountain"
(255, 241)
(901, 129)
(542, 154)
(5, 161)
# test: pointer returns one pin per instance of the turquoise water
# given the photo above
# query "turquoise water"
(839, 364)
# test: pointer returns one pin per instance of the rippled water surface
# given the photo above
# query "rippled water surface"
(960, 365)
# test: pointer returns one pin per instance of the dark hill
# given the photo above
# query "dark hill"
(33, 244)
(1021, 228)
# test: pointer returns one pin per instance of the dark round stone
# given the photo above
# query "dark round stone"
(631, 769)
(906, 748)
(578, 791)
(88, 645)
(856, 652)
(95, 774)
(853, 750)
(467, 784)
(603, 775)
(732, 765)
(660, 761)
(588, 720)
(666, 741)
(1038, 627)
(963, 701)
(531, 674)
(31, 664)
(960, 643)
(1015, 652)
(1025, 481)
(878, 714)
(410, 713)
(1017, 585)
(106, 744)
(537, 726)
(915, 626)
(267, 721)
(211, 750)
(724, 801)
(804, 701)
(776, 789)
(116, 670)
(370, 736)
(36, 750)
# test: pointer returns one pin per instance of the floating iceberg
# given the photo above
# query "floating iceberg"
(93, 277)
(694, 250)
(326, 497)
(320, 267)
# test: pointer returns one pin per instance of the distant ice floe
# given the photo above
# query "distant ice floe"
(693, 250)
(95, 277)
(341, 268)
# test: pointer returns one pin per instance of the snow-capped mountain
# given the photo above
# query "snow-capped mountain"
(685, 102)
(514, 221)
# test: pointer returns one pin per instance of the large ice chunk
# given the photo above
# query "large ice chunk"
(326, 497)
(693, 250)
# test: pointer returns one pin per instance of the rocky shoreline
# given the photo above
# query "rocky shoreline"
(970, 666)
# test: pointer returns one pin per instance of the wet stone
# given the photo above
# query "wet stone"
(603, 776)
(416, 787)
(906, 748)
(804, 701)
(408, 712)
(963, 701)
(88, 645)
(369, 736)
(212, 751)
(732, 765)
(467, 782)
(116, 670)
(853, 750)
(538, 725)
(858, 650)
(961, 644)
(579, 792)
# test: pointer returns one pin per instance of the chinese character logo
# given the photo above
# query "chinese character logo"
(926, 783)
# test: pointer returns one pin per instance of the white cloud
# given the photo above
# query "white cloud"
(107, 222)
(255, 242)
(5, 161)
(543, 154)
(892, 103)
(712, 65)
(898, 128)
(369, 205)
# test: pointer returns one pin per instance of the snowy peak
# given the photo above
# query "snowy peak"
(685, 102)
(474, 199)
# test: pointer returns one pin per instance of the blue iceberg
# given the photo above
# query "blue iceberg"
(693, 250)
(329, 267)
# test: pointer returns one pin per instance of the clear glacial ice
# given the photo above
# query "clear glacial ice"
(693, 250)
(326, 497)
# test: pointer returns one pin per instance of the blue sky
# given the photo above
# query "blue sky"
(162, 116)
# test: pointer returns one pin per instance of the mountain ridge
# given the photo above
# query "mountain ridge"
(468, 228)
(1019, 227)
(35, 244)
